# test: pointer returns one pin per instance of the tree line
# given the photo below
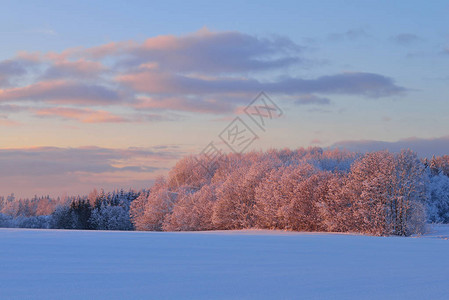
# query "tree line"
(378, 193)
(97, 211)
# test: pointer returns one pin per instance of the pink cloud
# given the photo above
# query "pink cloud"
(61, 91)
(82, 115)
(80, 67)
(29, 56)
(205, 72)
(64, 55)
(109, 49)
(87, 115)
(201, 51)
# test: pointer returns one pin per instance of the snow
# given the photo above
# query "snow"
(251, 264)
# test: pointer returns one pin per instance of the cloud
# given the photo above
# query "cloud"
(207, 52)
(223, 94)
(10, 69)
(203, 51)
(405, 39)
(72, 69)
(78, 170)
(54, 160)
(87, 115)
(355, 83)
(350, 83)
(11, 108)
(62, 92)
(202, 72)
(424, 147)
(185, 104)
(83, 115)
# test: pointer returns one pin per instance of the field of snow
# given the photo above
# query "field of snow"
(59, 264)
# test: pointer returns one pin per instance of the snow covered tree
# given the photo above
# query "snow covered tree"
(271, 201)
(410, 182)
(388, 193)
(370, 186)
(336, 207)
(137, 211)
(32, 222)
(286, 199)
(192, 211)
(6, 221)
(81, 211)
(62, 218)
(159, 204)
(45, 206)
(335, 160)
(110, 217)
(234, 208)
(438, 204)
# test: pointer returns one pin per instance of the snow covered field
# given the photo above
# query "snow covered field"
(58, 264)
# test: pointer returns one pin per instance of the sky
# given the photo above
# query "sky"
(110, 94)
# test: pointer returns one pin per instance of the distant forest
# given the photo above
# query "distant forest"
(378, 193)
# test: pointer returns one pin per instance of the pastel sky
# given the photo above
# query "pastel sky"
(111, 93)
